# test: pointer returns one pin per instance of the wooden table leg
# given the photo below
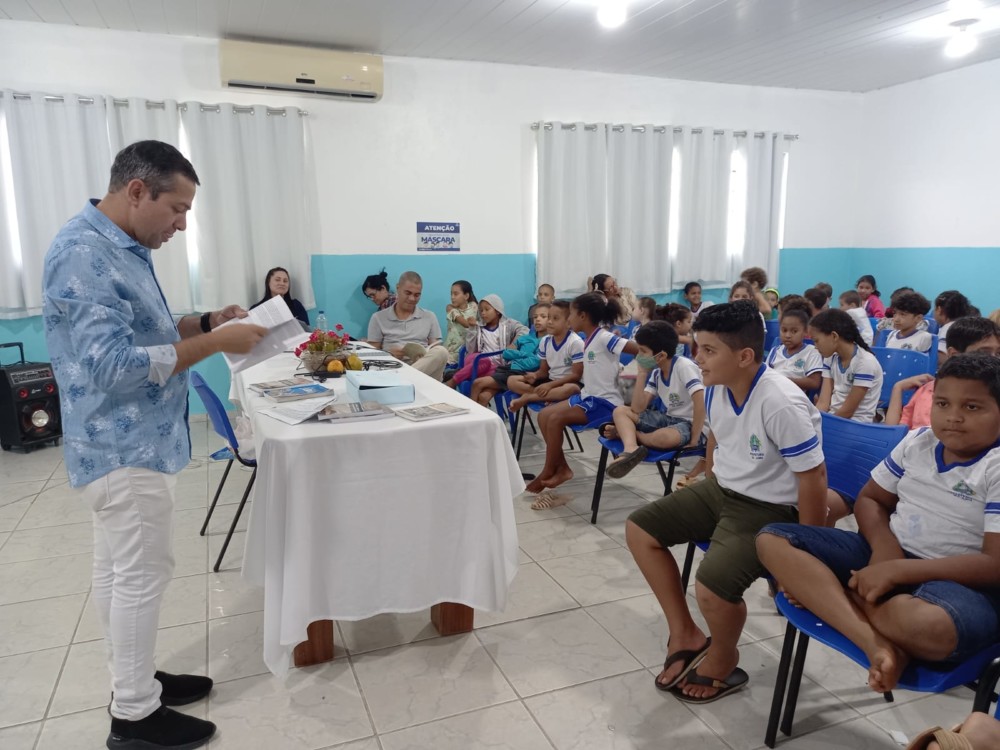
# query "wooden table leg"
(451, 618)
(318, 647)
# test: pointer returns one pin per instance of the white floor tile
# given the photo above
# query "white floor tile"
(532, 593)
(384, 631)
(52, 541)
(57, 506)
(21, 737)
(16, 500)
(858, 734)
(236, 647)
(505, 727)
(234, 553)
(429, 680)
(87, 730)
(560, 537)
(26, 682)
(41, 624)
(41, 579)
(229, 594)
(597, 577)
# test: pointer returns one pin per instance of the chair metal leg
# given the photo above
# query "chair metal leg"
(794, 681)
(688, 562)
(522, 420)
(579, 445)
(595, 504)
(218, 491)
(568, 435)
(236, 520)
(887, 696)
(987, 685)
(781, 682)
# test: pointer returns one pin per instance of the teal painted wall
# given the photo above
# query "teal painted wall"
(974, 271)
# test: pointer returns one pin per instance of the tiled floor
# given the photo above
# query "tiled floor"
(568, 665)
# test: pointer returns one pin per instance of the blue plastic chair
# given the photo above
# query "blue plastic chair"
(465, 388)
(899, 364)
(772, 335)
(220, 423)
(616, 448)
(519, 423)
(931, 353)
(932, 325)
(979, 672)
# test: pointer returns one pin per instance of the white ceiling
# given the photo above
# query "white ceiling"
(844, 45)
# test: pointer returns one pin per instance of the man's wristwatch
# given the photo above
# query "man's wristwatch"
(206, 325)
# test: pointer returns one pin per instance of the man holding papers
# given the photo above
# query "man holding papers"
(121, 366)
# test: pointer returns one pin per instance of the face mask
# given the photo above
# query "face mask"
(646, 363)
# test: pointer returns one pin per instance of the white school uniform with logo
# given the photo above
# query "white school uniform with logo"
(918, 341)
(601, 365)
(561, 356)
(676, 391)
(943, 509)
(865, 371)
(943, 337)
(801, 364)
(761, 444)
(864, 325)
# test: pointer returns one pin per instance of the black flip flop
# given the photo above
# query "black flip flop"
(626, 463)
(736, 680)
(689, 658)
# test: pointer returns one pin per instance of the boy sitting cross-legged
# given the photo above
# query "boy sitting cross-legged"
(677, 382)
(921, 578)
(765, 464)
(561, 353)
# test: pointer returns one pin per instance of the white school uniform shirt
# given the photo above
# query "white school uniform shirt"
(918, 341)
(701, 308)
(865, 371)
(676, 391)
(943, 509)
(863, 323)
(561, 356)
(801, 364)
(601, 365)
(761, 444)
(943, 337)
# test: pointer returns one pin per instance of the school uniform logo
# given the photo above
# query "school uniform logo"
(674, 400)
(800, 364)
(850, 378)
(756, 449)
(963, 491)
(591, 357)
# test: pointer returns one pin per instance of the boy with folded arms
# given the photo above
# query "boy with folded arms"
(765, 465)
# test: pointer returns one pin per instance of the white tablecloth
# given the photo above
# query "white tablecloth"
(352, 520)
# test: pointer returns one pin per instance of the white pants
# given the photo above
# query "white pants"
(133, 562)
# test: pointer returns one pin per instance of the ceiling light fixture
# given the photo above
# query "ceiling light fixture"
(611, 13)
(962, 41)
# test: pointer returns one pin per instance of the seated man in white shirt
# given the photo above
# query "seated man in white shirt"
(409, 332)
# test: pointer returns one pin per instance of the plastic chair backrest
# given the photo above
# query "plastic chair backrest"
(216, 411)
(874, 324)
(852, 449)
(932, 325)
(772, 334)
(899, 364)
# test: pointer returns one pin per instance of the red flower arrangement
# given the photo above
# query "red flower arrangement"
(326, 342)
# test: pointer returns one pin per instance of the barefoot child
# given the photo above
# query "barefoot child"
(677, 382)
(561, 369)
(796, 360)
(765, 465)
(519, 358)
(599, 397)
(921, 577)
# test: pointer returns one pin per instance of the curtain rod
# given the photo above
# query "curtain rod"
(657, 129)
(237, 109)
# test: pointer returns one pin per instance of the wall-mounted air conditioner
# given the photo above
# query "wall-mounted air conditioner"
(301, 70)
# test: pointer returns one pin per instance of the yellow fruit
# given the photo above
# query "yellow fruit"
(354, 362)
(335, 365)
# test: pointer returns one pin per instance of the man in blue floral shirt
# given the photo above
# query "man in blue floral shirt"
(121, 364)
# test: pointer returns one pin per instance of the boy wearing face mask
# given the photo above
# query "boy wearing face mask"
(680, 419)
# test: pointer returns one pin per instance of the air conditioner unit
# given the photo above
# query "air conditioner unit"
(301, 70)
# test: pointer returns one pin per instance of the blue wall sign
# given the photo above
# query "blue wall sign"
(439, 237)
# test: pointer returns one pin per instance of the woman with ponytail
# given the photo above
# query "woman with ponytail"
(852, 376)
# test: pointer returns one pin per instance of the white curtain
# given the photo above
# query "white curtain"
(59, 157)
(639, 172)
(255, 208)
(706, 159)
(572, 205)
(765, 158)
(142, 120)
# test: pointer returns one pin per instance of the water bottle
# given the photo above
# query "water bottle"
(321, 324)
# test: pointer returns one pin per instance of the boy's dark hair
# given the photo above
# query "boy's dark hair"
(736, 323)
(539, 306)
(790, 299)
(155, 163)
(851, 297)
(798, 313)
(547, 286)
(817, 298)
(895, 294)
(953, 304)
(974, 366)
(965, 332)
(755, 274)
(597, 308)
(672, 313)
(839, 322)
(562, 304)
(825, 288)
(378, 281)
(912, 302)
(658, 335)
(689, 286)
(462, 284)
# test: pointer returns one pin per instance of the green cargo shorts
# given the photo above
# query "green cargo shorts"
(730, 520)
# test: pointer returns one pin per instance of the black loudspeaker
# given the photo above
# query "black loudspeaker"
(29, 404)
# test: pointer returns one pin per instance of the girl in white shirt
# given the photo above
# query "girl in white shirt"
(598, 399)
(852, 376)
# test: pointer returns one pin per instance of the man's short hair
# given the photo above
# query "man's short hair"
(409, 276)
(965, 332)
(547, 286)
(155, 163)
(912, 302)
(738, 324)
(974, 366)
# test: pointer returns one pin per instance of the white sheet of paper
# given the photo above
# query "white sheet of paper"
(296, 412)
(285, 332)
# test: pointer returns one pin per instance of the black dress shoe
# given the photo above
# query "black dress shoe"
(164, 729)
(181, 689)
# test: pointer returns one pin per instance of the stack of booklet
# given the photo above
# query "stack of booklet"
(275, 385)
(429, 411)
(354, 411)
(297, 392)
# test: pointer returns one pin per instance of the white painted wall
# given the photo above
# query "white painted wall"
(450, 140)
(930, 162)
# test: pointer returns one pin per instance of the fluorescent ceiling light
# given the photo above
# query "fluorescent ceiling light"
(611, 13)
(963, 41)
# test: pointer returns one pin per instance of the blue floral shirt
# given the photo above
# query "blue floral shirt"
(110, 334)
